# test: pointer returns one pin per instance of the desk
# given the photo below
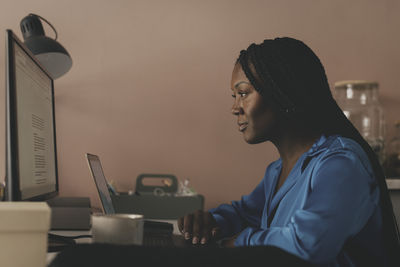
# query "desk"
(50, 255)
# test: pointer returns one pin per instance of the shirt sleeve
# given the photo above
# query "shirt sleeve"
(342, 197)
(240, 214)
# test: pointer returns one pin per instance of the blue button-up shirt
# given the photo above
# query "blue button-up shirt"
(329, 199)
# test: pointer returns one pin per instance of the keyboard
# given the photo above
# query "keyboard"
(158, 241)
(57, 243)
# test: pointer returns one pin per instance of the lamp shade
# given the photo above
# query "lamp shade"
(51, 54)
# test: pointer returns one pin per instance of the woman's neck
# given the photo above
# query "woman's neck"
(290, 147)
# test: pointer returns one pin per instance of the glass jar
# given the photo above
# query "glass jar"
(392, 162)
(359, 101)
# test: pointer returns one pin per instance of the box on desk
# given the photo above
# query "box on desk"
(70, 213)
(23, 233)
(157, 200)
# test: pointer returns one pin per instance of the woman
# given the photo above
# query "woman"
(325, 199)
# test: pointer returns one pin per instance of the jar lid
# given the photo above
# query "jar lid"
(356, 84)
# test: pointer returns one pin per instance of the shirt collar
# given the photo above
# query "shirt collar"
(320, 145)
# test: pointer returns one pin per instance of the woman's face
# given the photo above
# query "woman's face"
(255, 117)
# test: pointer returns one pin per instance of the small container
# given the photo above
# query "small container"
(359, 101)
(392, 162)
(23, 233)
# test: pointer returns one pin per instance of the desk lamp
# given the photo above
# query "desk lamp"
(51, 54)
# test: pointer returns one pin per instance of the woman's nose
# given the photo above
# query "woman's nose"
(235, 108)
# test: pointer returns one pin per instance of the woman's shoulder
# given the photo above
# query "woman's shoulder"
(341, 142)
(337, 145)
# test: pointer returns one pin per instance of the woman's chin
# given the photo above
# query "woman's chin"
(252, 140)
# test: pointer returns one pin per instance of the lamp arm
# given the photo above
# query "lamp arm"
(40, 17)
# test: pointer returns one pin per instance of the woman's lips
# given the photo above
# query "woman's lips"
(242, 126)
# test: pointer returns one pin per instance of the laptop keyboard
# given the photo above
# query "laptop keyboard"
(158, 241)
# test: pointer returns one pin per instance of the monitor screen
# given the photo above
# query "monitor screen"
(31, 158)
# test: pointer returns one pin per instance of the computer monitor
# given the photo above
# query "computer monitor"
(31, 157)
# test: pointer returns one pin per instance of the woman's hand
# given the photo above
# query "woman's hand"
(199, 226)
(229, 243)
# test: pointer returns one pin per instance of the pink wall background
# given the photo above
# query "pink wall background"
(149, 87)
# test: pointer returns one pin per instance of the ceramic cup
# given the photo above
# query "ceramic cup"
(122, 229)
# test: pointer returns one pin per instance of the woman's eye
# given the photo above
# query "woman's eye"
(240, 94)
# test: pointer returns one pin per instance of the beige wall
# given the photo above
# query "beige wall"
(149, 86)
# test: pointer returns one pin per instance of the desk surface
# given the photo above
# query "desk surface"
(50, 255)
(393, 184)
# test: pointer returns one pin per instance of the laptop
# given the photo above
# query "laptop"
(156, 233)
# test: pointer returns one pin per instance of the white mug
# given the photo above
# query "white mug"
(122, 229)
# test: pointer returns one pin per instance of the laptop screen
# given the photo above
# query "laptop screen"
(101, 183)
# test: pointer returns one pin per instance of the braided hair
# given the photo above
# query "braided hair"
(288, 72)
